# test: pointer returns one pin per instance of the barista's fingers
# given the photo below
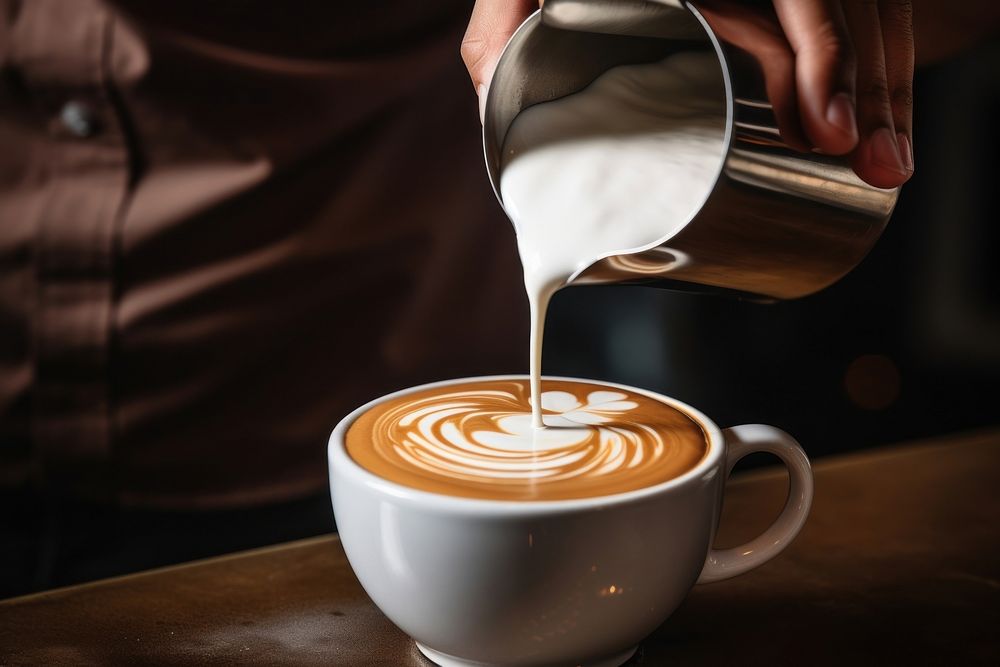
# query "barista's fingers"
(896, 17)
(877, 158)
(491, 25)
(758, 34)
(824, 68)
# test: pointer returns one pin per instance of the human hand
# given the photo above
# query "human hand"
(839, 73)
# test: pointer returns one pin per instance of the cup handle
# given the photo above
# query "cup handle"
(747, 439)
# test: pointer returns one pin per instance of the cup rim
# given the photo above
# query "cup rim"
(338, 459)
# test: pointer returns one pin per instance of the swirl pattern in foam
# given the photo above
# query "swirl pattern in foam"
(476, 440)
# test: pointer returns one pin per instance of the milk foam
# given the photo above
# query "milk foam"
(620, 166)
(476, 439)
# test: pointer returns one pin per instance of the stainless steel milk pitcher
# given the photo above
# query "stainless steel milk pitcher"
(778, 224)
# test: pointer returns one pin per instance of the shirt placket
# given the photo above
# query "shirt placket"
(62, 50)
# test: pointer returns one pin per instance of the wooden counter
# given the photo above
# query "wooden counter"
(899, 563)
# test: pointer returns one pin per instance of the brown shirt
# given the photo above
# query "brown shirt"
(223, 225)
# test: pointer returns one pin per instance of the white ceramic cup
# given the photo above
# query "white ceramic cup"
(558, 582)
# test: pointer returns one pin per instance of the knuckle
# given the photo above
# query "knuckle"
(828, 38)
(875, 90)
(901, 96)
(900, 29)
(831, 44)
(776, 54)
(899, 13)
(474, 50)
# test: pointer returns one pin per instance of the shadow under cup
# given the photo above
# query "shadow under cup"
(581, 581)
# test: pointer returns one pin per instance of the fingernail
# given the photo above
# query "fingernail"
(840, 114)
(885, 152)
(481, 90)
(905, 150)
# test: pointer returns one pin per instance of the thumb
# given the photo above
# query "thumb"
(491, 25)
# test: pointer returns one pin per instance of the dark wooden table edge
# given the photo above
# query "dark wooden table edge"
(99, 583)
(979, 436)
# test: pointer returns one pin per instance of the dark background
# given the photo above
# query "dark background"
(906, 346)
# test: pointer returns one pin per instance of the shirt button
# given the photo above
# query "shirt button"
(80, 119)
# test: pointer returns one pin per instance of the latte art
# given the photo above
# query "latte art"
(477, 440)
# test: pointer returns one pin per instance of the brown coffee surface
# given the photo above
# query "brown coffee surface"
(475, 440)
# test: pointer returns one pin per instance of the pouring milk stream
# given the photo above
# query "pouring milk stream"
(647, 139)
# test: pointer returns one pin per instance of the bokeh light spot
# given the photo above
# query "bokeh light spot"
(872, 382)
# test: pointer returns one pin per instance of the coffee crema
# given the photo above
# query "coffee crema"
(476, 440)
